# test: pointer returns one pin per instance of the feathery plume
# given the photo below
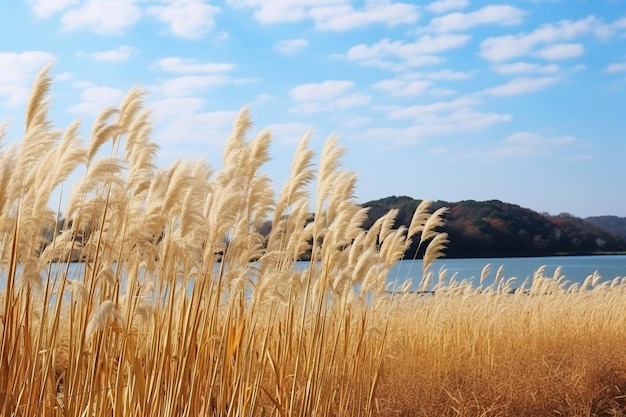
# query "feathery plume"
(387, 223)
(131, 104)
(37, 108)
(420, 216)
(485, 273)
(435, 249)
(434, 221)
(235, 142)
(329, 162)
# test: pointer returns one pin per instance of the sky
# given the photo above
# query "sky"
(522, 101)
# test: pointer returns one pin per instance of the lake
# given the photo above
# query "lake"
(575, 268)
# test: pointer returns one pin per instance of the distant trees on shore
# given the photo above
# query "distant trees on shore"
(497, 229)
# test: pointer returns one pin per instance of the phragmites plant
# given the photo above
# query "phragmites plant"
(180, 306)
(161, 292)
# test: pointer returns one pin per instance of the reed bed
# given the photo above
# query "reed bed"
(553, 349)
(183, 308)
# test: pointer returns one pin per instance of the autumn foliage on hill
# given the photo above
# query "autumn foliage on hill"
(494, 229)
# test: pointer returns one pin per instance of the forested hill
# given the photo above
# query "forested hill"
(613, 224)
(497, 229)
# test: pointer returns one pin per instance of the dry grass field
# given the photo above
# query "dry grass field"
(185, 309)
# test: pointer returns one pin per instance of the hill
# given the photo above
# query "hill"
(613, 224)
(497, 229)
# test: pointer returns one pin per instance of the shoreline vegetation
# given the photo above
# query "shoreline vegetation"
(180, 337)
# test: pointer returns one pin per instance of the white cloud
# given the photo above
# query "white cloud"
(462, 119)
(188, 19)
(18, 73)
(190, 66)
(182, 120)
(121, 53)
(528, 144)
(326, 90)
(524, 145)
(422, 46)
(443, 6)
(332, 15)
(96, 98)
(350, 100)
(291, 46)
(48, 8)
(400, 55)
(102, 16)
(526, 68)
(399, 65)
(425, 111)
(503, 15)
(521, 85)
(279, 11)
(507, 47)
(326, 96)
(418, 83)
(403, 88)
(616, 67)
(469, 119)
(610, 30)
(344, 17)
(449, 75)
(175, 106)
(561, 51)
(212, 128)
(442, 92)
(289, 133)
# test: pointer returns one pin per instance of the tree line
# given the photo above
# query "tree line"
(497, 229)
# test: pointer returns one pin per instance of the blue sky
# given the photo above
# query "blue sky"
(522, 101)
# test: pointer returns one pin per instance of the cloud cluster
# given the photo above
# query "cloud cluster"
(521, 85)
(326, 96)
(529, 144)
(291, 46)
(95, 98)
(402, 55)
(191, 76)
(503, 15)
(100, 16)
(189, 19)
(331, 15)
(427, 70)
(121, 53)
(545, 42)
(18, 72)
(443, 6)
(616, 67)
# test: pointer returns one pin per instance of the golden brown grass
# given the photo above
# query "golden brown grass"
(543, 352)
(169, 316)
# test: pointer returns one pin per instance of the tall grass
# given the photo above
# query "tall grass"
(184, 308)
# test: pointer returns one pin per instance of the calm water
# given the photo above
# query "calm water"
(575, 268)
